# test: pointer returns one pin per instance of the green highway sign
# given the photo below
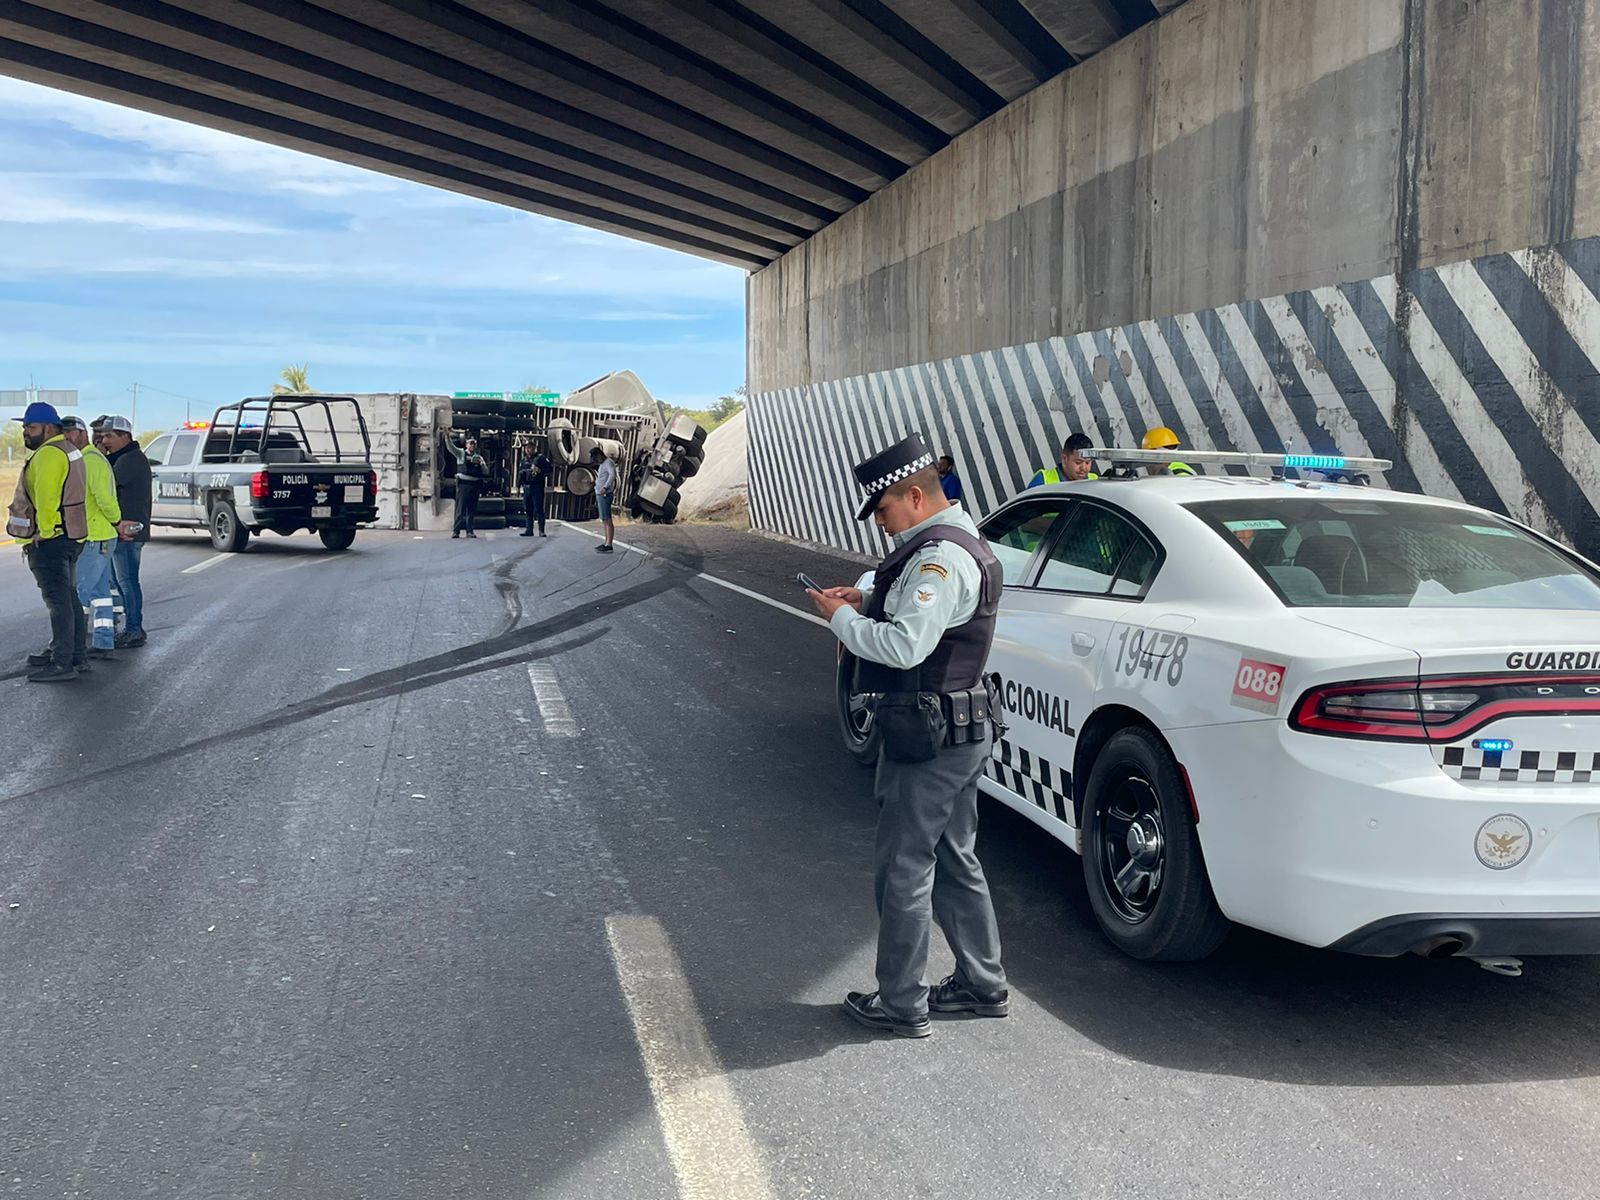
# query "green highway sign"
(548, 399)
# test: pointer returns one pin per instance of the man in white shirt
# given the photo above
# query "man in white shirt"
(605, 488)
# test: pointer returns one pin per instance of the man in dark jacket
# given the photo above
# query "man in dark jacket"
(471, 471)
(114, 436)
(531, 479)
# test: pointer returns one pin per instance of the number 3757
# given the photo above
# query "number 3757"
(1152, 655)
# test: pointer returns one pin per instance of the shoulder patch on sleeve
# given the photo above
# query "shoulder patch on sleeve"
(933, 568)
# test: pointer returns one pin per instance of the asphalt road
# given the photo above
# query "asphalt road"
(311, 897)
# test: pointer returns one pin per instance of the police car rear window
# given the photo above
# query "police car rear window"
(1370, 554)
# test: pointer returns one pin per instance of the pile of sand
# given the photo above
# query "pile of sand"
(722, 488)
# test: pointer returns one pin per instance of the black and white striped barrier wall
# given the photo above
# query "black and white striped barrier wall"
(1481, 380)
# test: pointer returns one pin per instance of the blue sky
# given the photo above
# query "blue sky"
(142, 249)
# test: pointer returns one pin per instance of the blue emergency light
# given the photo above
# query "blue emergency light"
(1492, 745)
(1315, 462)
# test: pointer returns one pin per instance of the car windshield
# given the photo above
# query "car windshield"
(1356, 552)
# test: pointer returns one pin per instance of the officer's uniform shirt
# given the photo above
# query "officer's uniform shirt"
(939, 589)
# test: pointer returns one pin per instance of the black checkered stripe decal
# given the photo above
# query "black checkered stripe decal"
(1031, 777)
(1522, 766)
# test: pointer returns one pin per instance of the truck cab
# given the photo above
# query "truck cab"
(276, 463)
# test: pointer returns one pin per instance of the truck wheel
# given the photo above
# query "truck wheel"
(337, 539)
(688, 468)
(857, 723)
(226, 532)
(1141, 855)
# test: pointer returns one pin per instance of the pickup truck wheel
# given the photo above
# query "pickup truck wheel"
(857, 722)
(337, 539)
(226, 532)
(1142, 864)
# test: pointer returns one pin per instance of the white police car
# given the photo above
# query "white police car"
(1347, 716)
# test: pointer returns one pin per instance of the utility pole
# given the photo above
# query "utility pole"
(133, 417)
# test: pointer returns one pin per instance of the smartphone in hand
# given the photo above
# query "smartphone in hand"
(805, 581)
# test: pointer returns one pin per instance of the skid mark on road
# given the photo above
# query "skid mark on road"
(711, 1148)
(552, 704)
(521, 645)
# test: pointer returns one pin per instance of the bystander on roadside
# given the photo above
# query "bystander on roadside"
(48, 517)
(131, 470)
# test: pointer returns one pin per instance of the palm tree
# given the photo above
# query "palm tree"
(294, 381)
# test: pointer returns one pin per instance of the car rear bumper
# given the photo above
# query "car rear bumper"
(1366, 846)
(1481, 935)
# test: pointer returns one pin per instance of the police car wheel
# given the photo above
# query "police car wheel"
(226, 532)
(857, 724)
(1142, 864)
(337, 539)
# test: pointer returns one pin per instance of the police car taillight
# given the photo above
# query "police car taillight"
(260, 487)
(372, 482)
(1439, 710)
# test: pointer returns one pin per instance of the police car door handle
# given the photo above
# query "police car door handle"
(1083, 642)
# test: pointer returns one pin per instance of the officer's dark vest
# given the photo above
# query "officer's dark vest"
(957, 661)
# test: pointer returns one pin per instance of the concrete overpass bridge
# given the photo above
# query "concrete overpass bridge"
(1366, 225)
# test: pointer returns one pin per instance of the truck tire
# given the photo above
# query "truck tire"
(226, 532)
(1146, 877)
(857, 724)
(337, 539)
(494, 522)
(690, 467)
(492, 506)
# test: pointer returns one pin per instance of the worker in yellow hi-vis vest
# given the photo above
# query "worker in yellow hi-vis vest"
(1162, 438)
(1075, 467)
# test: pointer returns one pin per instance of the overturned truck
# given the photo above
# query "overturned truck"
(412, 435)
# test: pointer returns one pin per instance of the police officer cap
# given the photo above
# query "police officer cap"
(882, 471)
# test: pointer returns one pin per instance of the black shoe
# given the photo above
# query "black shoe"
(470, 534)
(541, 533)
(82, 668)
(526, 533)
(42, 659)
(604, 549)
(954, 995)
(456, 534)
(132, 641)
(55, 673)
(865, 1008)
(101, 652)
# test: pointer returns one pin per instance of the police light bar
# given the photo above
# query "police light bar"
(1239, 458)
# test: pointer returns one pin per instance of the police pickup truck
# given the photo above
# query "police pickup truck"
(283, 463)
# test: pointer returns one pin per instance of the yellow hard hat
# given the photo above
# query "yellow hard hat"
(1159, 438)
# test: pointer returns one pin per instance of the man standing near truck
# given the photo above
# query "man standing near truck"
(48, 518)
(531, 479)
(605, 490)
(471, 471)
(114, 436)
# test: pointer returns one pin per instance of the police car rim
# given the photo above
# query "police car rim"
(859, 715)
(1133, 848)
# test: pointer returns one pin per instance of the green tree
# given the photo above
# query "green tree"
(294, 381)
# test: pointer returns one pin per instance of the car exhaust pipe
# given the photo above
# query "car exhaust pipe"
(1443, 946)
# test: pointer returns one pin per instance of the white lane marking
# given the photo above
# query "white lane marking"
(552, 704)
(768, 600)
(712, 1151)
(732, 587)
(209, 562)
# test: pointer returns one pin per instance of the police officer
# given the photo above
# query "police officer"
(531, 478)
(921, 636)
(471, 471)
